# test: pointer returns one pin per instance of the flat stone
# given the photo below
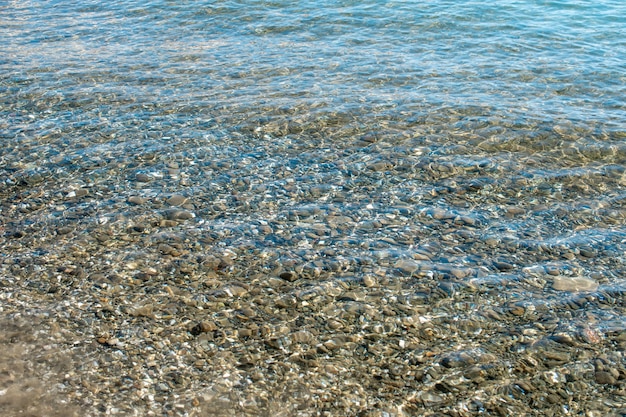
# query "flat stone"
(517, 310)
(603, 377)
(136, 200)
(441, 214)
(380, 166)
(407, 266)
(574, 284)
(143, 178)
(179, 215)
(176, 200)
(81, 192)
(289, 276)
(587, 252)
(459, 273)
(503, 266)
(514, 210)
(564, 339)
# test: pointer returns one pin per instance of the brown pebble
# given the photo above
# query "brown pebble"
(587, 253)
(517, 310)
(564, 339)
(369, 281)
(513, 211)
(503, 266)
(603, 377)
(493, 315)
(203, 327)
(526, 386)
(554, 399)
(136, 200)
(64, 230)
(458, 273)
(143, 178)
(552, 270)
(168, 223)
(289, 276)
(179, 215)
(244, 332)
(556, 356)
(235, 291)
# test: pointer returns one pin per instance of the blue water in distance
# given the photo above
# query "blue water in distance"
(546, 60)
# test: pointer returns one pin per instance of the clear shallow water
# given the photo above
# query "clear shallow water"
(476, 146)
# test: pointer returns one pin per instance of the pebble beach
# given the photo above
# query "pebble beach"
(278, 209)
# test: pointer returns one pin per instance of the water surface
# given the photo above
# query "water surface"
(459, 157)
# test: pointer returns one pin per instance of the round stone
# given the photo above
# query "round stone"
(143, 178)
(289, 276)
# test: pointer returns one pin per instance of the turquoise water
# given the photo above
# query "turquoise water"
(459, 155)
(523, 61)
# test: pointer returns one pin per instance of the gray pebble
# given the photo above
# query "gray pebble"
(143, 178)
(179, 215)
(176, 200)
(503, 266)
(136, 200)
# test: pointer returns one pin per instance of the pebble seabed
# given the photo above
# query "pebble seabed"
(389, 275)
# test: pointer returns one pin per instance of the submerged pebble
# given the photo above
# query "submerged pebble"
(572, 284)
(291, 217)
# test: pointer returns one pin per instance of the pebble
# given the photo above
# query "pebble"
(552, 270)
(603, 377)
(236, 291)
(517, 310)
(430, 399)
(574, 284)
(179, 214)
(289, 276)
(203, 327)
(503, 266)
(369, 281)
(245, 332)
(137, 200)
(565, 339)
(440, 214)
(64, 230)
(514, 210)
(143, 178)
(587, 252)
(556, 357)
(407, 266)
(176, 200)
(459, 359)
(380, 166)
(81, 192)
(377, 290)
